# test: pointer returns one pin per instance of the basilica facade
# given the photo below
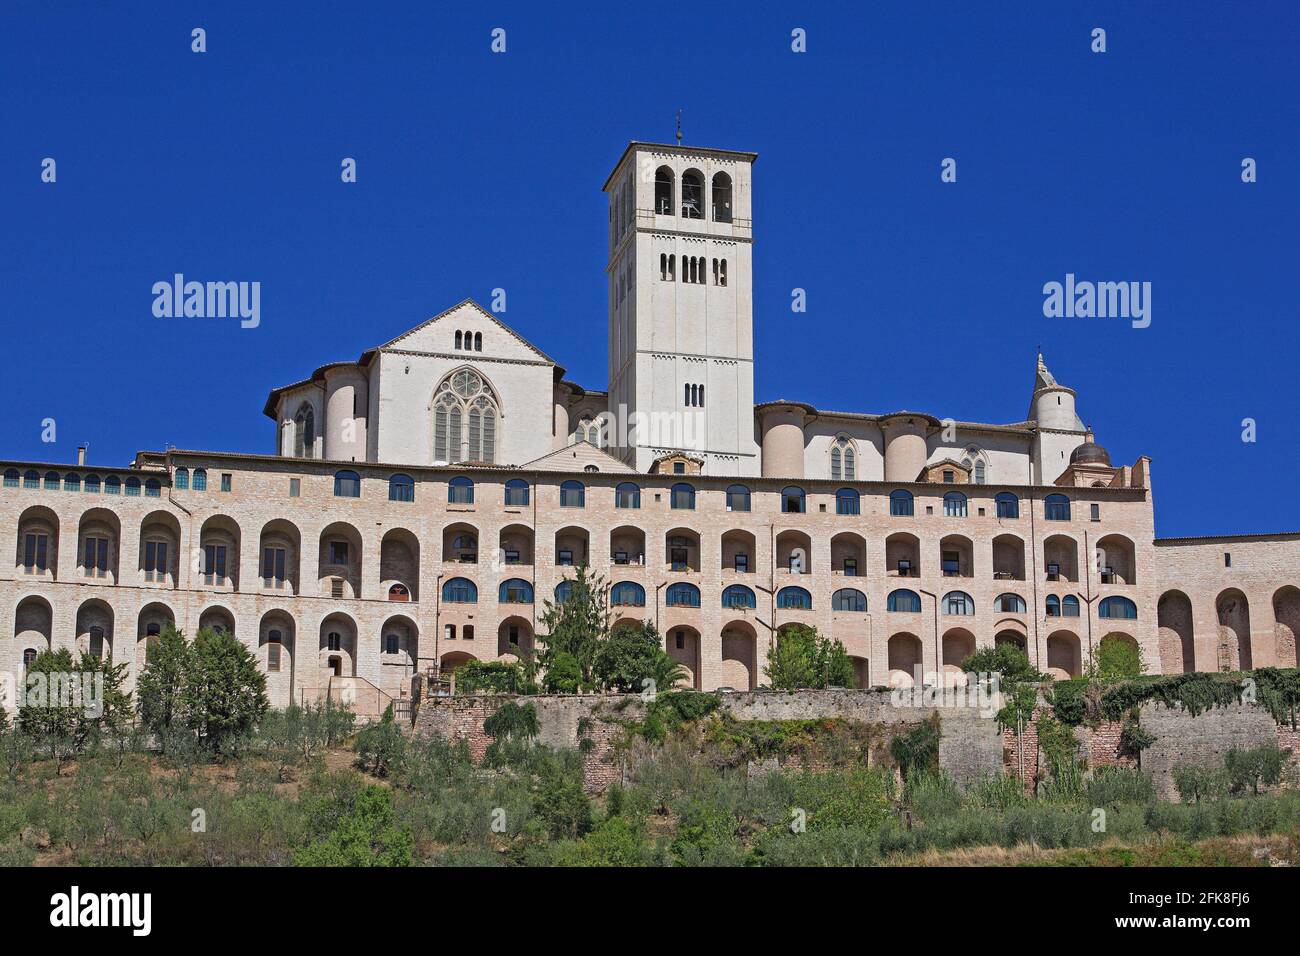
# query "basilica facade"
(420, 504)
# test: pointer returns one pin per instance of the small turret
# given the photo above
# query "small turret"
(1052, 405)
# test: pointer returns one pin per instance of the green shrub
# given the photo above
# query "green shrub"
(497, 677)
(362, 834)
(997, 792)
(1116, 658)
(632, 659)
(1259, 766)
(1069, 700)
(1195, 782)
(1112, 786)
(559, 801)
(839, 846)
(1004, 659)
(1134, 738)
(931, 794)
(381, 746)
(917, 749)
(801, 657)
(564, 675)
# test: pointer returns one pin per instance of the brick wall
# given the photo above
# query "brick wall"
(970, 746)
(1181, 739)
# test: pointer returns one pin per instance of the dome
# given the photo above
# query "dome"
(1089, 453)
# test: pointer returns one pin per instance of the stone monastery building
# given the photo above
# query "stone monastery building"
(422, 501)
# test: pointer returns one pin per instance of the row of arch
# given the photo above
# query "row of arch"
(465, 430)
(627, 494)
(219, 550)
(287, 660)
(1235, 642)
(905, 654)
(692, 204)
(216, 558)
(461, 590)
(291, 663)
(93, 484)
(469, 341)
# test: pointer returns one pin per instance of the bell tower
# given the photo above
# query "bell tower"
(681, 349)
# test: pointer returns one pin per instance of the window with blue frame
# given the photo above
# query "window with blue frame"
(564, 592)
(460, 491)
(200, 480)
(737, 498)
(847, 502)
(849, 599)
(182, 479)
(347, 484)
(515, 591)
(793, 500)
(401, 488)
(573, 495)
(683, 595)
(904, 601)
(627, 495)
(795, 598)
(1056, 508)
(459, 591)
(901, 503)
(738, 596)
(1009, 604)
(1120, 607)
(1008, 505)
(959, 603)
(516, 493)
(627, 594)
(683, 497)
(954, 504)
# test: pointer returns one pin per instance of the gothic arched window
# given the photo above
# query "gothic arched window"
(465, 414)
(588, 431)
(844, 459)
(304, 432)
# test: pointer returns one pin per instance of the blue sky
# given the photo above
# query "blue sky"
(478, 171)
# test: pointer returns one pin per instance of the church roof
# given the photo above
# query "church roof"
(679, 148)
(577, 457)
(1024, 427)
(273, 398)
(396, 343)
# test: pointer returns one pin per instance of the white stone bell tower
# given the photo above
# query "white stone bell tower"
(681, 350)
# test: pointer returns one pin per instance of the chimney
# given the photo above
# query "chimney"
(81, 456)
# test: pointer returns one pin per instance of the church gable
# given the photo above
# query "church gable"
(470, 330)
(580, 456)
